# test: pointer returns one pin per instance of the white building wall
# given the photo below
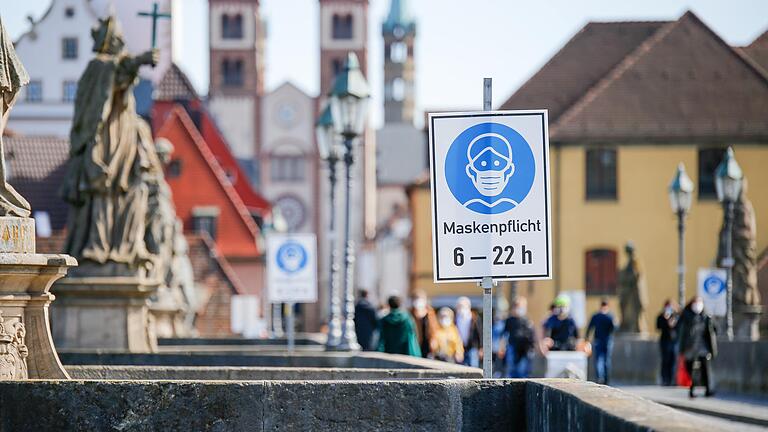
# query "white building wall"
(40, 50)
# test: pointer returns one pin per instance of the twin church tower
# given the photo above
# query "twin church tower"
(237, 42)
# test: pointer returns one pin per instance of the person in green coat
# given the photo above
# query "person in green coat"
(397, 334)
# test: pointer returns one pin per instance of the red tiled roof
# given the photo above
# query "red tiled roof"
(580, 64)
(680, 82)
(175, 88)
(758, 50)
(237, 232)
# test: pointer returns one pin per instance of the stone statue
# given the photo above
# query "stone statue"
(165, 239)
(744, 246)
(13, 352)
(110, 157)
(12, 77)
(632, 295)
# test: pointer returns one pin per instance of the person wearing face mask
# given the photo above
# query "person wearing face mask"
(698, 345)
(449, 346)
(602, 324)
(560, 330)
(666, 324)
(426, 323)
(365, 322)
(469, 330)
(520, 341)
(489, 167)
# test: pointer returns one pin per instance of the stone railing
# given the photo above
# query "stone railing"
(428, 405)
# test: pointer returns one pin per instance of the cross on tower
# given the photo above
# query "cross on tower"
(155, 15)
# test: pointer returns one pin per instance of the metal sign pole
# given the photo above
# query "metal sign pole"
(487, 283)
(291, 327)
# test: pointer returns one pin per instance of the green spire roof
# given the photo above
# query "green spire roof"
(399, 16)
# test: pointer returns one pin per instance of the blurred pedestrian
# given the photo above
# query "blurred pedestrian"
(498, 338)
(602, 325)
(426, 323)
(521, 340)
(469, 330)
(560, 330)
(698, 345)
(397, 332)
(365, 322)
(449, 346)
(666, 324)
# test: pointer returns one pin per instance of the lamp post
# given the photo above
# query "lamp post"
(680, 193)
(331, 152)
(728, 178)
(349, 107)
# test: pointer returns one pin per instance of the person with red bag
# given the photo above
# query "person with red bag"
(698, 344)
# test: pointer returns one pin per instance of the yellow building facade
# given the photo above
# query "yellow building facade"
(622, 117)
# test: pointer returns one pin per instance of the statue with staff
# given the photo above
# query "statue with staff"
(110, 157)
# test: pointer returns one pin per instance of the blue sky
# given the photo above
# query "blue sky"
(459, 42)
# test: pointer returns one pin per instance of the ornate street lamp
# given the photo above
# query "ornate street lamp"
(680, 194)
(349, 107)
(331, 151)
(728, 178)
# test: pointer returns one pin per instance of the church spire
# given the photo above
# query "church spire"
(399, 16)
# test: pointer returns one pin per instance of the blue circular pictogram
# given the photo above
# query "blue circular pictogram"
(490, 168)
(714, 286)
(291, 257)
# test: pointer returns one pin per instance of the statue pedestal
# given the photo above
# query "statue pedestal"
(168, 315)
(746, 322)
(104, 313)
(26, 346)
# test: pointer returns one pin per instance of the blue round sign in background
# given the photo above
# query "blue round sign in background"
(714, 286)
(460, 177)
(291, 257)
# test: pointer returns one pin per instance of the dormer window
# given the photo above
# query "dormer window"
(232, 26)
(342, 26)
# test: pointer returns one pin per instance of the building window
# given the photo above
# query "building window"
(232, 26)
(398, 52)
(337, 65)
(173, 170)
(35, 91)
(69, 12)
(601, 174)
(204, 220)
(398, 89)
(69, 48)
(601, 272)
(342, 26)
(709, 159)
(233, 72)
(287, 168)
(69, 91)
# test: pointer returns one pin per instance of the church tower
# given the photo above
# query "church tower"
(399, 32)
(237, 39)
(343, 28)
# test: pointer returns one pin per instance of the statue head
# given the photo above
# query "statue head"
(630, 248)
(164, 149)
(107, 36)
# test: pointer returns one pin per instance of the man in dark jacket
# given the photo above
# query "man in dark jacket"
(365, 322)
(666, 324)
(698, 344)
(397, 332)
(560, 330)
(603, 326)
(520, 341)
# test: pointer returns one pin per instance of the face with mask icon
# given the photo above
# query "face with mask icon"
(490, 163)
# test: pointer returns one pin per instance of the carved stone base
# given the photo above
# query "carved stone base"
(26, 346)
(104, 313)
